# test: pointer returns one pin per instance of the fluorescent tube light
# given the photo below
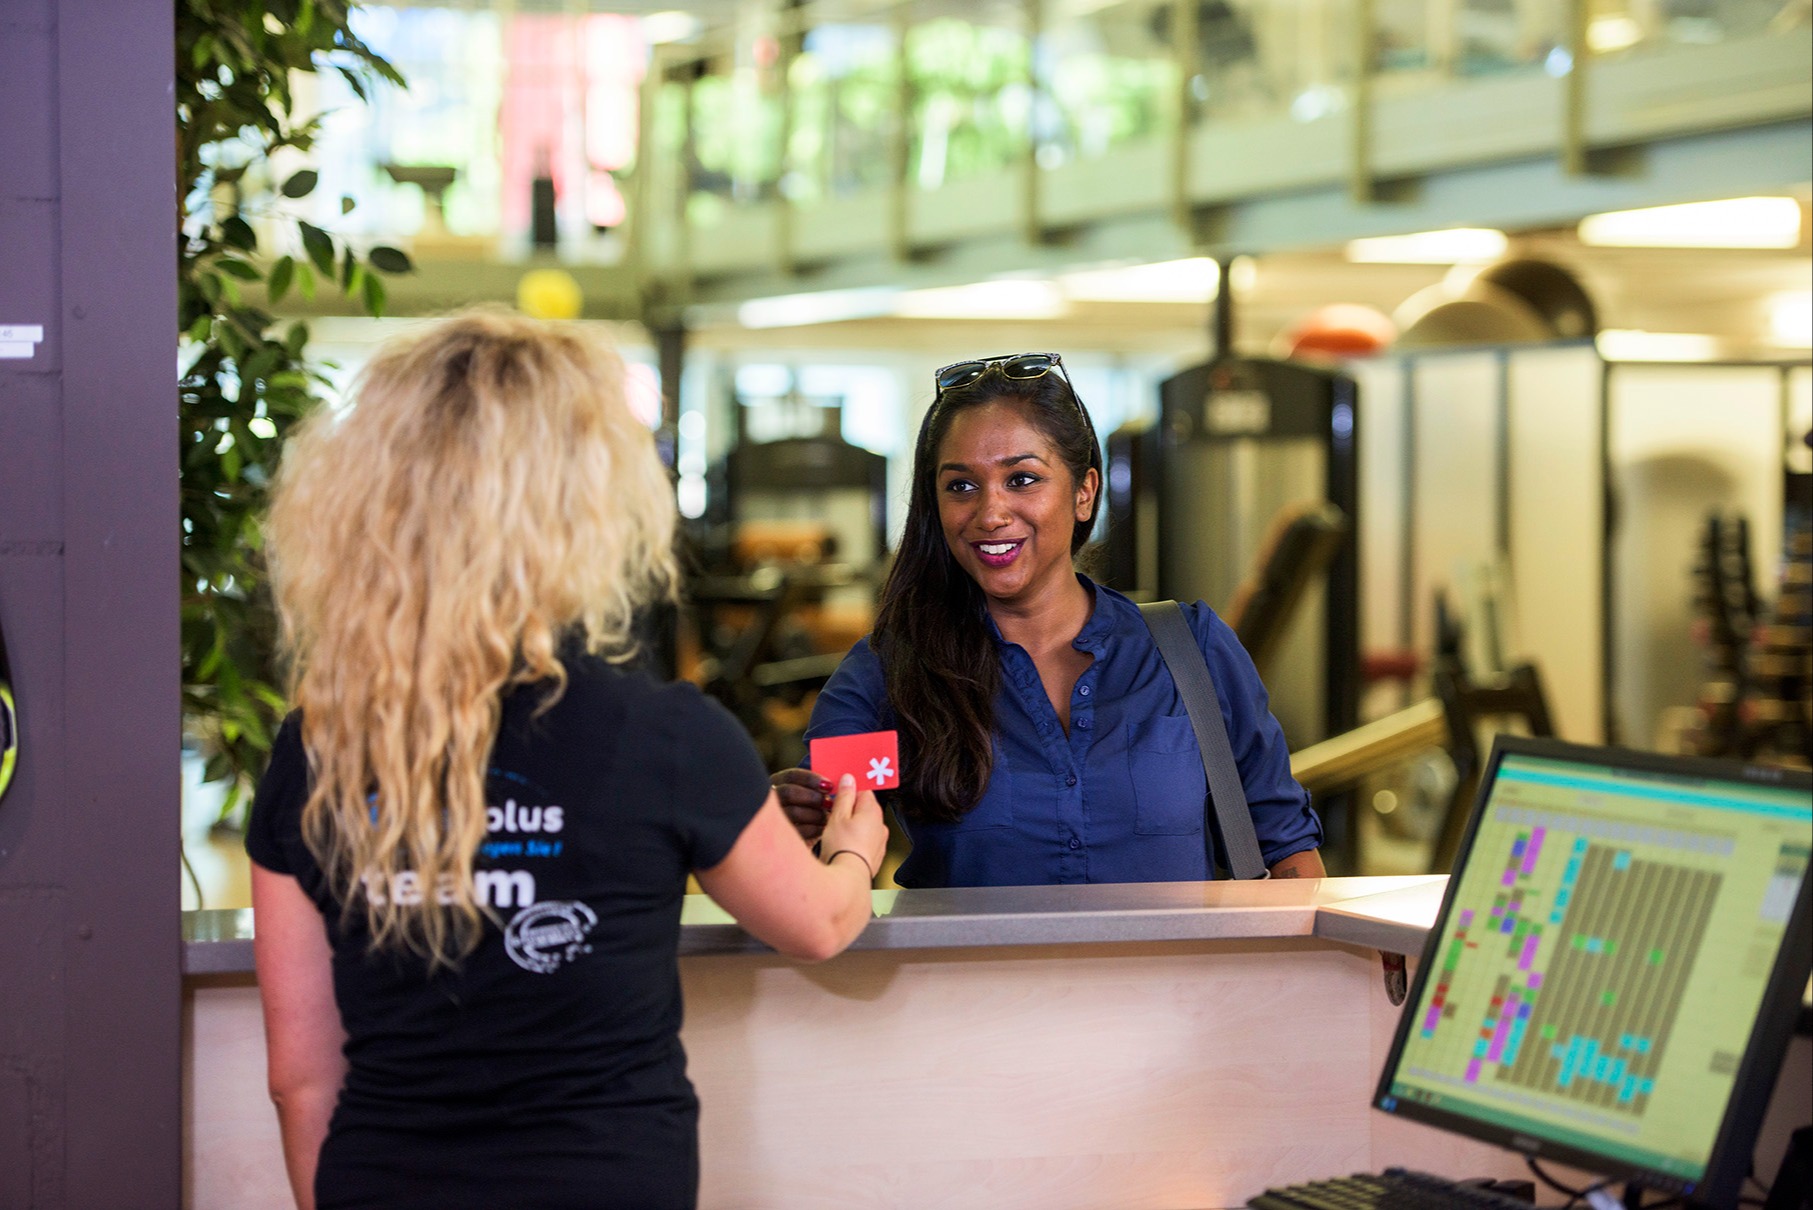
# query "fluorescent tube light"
(1607, 34)
(1194, 280)
(1629, 344)
(1452, 246)
(822, 307)
(671, 25)
(1243, 275)
(1739, 222)
(1011, 298)
(1791, 320)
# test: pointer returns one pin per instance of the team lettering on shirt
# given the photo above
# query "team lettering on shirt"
(518, 831)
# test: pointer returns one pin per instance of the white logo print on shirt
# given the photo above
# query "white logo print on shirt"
(544, 935)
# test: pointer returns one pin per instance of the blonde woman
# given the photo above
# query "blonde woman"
(472, 841)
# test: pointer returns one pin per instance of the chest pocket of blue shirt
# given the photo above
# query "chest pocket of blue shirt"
(1169, 786)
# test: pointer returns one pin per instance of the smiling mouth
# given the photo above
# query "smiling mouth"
(997, 554)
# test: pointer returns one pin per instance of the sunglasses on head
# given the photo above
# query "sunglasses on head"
(1018, 366)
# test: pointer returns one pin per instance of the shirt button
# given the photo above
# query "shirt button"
(1084, 691)
(1071, 780)
(1083, 723)
(1075, 843)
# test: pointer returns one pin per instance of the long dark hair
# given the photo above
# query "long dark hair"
(931, 632)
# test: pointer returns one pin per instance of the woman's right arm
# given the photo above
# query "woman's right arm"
(789, 899)
(302, 1031)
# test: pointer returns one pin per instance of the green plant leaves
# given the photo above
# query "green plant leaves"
(239, 234)
(243, 380)
(319, 245)
(301, 184)
(278, 284)
(390, 260)
(234, 267)
(372, 287)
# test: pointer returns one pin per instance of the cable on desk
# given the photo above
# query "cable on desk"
(1575, 1196)
(1556, 1185)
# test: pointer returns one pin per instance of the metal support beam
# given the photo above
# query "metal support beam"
(900, 141)
(658, 627)
(1032, 221)
(792, 40)
(680, 279)
(669, 337)
(1186, 53)
(1360, 183)
(1573, 103)
(636, 257)
(1221, 311)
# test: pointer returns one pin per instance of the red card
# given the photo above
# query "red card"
(872, 758)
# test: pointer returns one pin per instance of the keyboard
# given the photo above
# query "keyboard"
(1393, 1189)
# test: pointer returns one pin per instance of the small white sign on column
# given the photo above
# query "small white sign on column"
(20, 340)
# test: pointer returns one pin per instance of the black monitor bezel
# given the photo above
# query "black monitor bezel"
(1729, 1161)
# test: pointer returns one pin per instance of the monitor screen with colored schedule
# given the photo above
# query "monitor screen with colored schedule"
(1616, 966)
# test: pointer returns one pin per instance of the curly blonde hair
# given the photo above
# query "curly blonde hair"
(487, 494)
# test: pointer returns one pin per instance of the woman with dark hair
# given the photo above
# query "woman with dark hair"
(1042, 737)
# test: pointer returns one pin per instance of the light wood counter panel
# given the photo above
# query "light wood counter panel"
(1146, 1073)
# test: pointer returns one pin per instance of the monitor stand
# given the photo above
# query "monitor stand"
(1793, 1187)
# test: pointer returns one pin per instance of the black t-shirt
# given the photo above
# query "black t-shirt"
(546, 1071)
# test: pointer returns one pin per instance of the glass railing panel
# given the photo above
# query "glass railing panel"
(448, 117)
(805, 101)
(1617, 27)
(738, 106)
(497, 104)
(1283, 56)
(1106, 77)
(666, 182)
(1490, 37)
(845, 84)
(1252, 61)
(972, 99)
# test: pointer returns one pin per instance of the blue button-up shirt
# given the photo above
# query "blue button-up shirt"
(1121, 797)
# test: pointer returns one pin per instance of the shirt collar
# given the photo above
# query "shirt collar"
(1110, 619)
(1107, 616)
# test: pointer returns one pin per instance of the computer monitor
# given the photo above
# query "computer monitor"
(1617, 966)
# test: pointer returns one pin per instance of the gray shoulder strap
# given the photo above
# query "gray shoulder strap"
(1227, 798)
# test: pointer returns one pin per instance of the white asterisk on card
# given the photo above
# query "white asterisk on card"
(880, 769)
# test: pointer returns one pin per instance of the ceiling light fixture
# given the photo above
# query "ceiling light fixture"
(671, 25)
(1791, 320)
(1739, 222)
(1455, 245)
(1193, 280)
(821, 307)
(1608, 34)
(1629, 344)
(1008, 298)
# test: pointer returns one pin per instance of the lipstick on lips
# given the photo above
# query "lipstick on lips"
(998, 554)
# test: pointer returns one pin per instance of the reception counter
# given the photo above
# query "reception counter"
(1160, 1045)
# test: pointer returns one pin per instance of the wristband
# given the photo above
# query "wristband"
(859, 857)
